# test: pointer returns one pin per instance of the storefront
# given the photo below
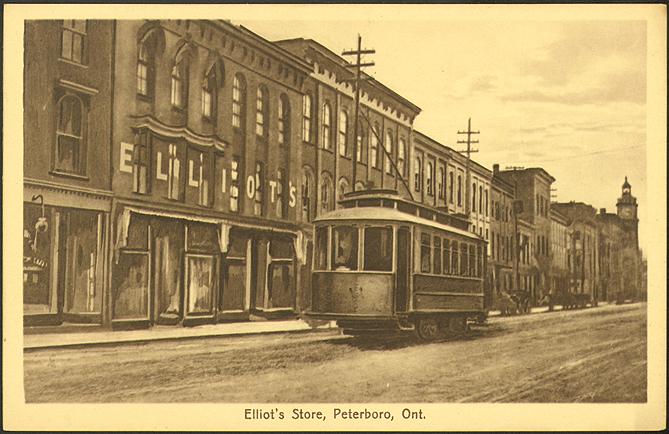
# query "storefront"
(171, 268)
(63, 257)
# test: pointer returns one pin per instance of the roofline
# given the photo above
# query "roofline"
(373, 81)
(267, 44)
(531, 169)
(451, 152)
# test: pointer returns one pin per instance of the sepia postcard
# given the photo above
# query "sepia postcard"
(334, 217)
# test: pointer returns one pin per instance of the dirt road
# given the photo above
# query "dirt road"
(591, 355)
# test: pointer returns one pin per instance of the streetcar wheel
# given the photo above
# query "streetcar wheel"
(427, 328)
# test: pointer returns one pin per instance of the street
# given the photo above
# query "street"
(590, 355)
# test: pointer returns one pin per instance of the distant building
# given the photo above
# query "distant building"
(584, 247)
(559, 252)
(502, 239)
(533, 187)
(621, 263)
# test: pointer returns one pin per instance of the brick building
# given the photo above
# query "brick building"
(502, 239)
(532, 187)
(584, 246)
(67, 169)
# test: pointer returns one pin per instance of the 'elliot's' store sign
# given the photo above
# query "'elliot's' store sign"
(195, 176)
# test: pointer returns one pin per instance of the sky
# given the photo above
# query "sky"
(568, 96)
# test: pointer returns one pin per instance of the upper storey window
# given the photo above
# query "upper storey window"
(238, 101)
(70, 150)
(209, 95)
(374, 149)
(327, 122)
(261, 111)
(306, 118)
(401, 157)
(73, 40)
(179, 90)
(388, 146)
(143, 66)
(284, 120)
(343, 134)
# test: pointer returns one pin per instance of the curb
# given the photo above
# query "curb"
(136, 341)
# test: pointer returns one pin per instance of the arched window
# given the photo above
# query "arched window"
(261, 111)
(401, 156)
(326, 126)
(459, 190)
(480, 199)
(307, 194)
(144, 69)
(70, 146)
(428, 177)
(326, 192)
(342, 187)
(417, 181)
(441, 183)
(374, 156)
(238, 101)
(284, 120)
(388, 146)
(179, 94)
(209, 94)
(343, 133)
(485, 201)
(359, 186)
(306, 118)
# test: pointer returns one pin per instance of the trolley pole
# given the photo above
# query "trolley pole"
(357, 65)
(469, 142)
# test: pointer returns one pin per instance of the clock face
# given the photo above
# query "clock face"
(627, 212)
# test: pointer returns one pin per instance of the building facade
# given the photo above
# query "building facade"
(559, 253)
(67, 169)
(502, 231)
(206, 176)
(584, 247)
(533, 187)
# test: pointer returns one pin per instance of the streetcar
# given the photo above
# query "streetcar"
(383, 263)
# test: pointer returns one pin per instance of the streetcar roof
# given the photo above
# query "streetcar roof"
(381, 213)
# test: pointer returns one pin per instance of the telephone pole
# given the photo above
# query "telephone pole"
(358, 65)
(469, 142)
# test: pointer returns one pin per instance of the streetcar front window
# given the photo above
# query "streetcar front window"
(321, 260)
(378, 249)
(345, 248)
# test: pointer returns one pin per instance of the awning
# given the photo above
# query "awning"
(223, 230)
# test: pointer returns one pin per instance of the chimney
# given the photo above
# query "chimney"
(495, 169)
(602, 210)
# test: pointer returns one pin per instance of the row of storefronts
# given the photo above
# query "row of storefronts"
(161, 268)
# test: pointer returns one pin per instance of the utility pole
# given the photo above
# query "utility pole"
(469, 142)
(357, 65)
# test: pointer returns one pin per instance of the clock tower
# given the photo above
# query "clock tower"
(627, 211)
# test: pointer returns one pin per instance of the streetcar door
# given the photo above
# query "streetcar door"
(403, 269)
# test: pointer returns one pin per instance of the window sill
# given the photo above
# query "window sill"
(56, 172)
(72, 62)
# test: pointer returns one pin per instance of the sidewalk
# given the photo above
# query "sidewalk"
(163, 333)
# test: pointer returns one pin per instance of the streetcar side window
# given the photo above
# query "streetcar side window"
(437, 256)
(321, 260)
(345, 248)
(472, 261)
(454, 257)
(425, 253)
(378, 249)
(447, 256)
